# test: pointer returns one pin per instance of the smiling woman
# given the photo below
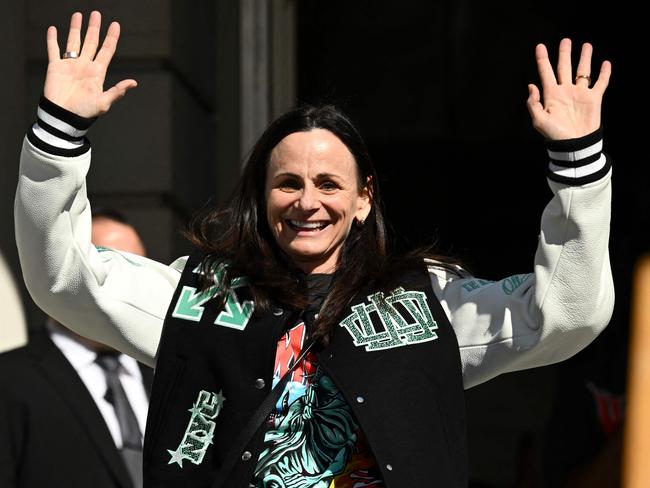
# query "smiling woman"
(292, 349)
(313, 196)
(306, 203)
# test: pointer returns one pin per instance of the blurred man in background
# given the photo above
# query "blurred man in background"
(73, 411)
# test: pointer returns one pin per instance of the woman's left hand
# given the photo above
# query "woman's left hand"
(568, 107)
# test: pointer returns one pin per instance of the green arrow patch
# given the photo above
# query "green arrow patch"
(235, 314)
(189, 303)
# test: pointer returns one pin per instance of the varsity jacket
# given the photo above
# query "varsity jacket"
(518, 322)
(394, 358)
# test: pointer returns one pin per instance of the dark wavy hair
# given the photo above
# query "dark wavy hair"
(237, 235)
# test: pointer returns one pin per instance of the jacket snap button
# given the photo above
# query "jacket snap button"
(260, 383)
(389, 467)
(277, 312)
(360, 399)
(246, 456)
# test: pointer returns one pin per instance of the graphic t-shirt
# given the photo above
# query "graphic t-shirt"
(312, 439)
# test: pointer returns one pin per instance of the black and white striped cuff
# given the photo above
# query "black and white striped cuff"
(578, 161)
(59, 131)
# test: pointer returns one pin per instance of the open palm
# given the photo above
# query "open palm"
(568, 107)
(77, 84)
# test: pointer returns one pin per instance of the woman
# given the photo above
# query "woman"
(291, 286)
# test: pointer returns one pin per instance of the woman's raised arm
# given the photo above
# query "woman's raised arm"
(551, 313)
(112, 297)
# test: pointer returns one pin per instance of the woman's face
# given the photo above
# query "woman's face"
(313, 198)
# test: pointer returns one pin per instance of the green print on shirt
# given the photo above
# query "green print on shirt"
(311, 442)
(235, 314)
(400, 329)
(200, 429)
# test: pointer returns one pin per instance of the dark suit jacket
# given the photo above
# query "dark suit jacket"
(51, 431)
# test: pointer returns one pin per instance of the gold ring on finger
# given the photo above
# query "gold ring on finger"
(586, 77)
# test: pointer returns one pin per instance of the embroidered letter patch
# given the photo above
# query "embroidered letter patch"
(200, 429)
(510, 284)
(405, 316)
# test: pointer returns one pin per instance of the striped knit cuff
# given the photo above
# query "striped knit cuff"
(578, 161)
(59, 131)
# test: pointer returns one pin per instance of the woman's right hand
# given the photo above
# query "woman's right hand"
(77, 84)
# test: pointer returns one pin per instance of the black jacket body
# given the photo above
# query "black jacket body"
(403, 383)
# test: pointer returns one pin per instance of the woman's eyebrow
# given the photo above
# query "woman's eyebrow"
(321, 176)
(286, 173)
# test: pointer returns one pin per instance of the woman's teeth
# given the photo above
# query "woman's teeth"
(300, 225)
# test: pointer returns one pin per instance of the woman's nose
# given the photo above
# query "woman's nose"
(308, 199)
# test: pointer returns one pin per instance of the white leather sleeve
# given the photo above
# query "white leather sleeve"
(550, 314)
(113, 297)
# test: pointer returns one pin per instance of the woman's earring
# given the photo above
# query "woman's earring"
(360, 222)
